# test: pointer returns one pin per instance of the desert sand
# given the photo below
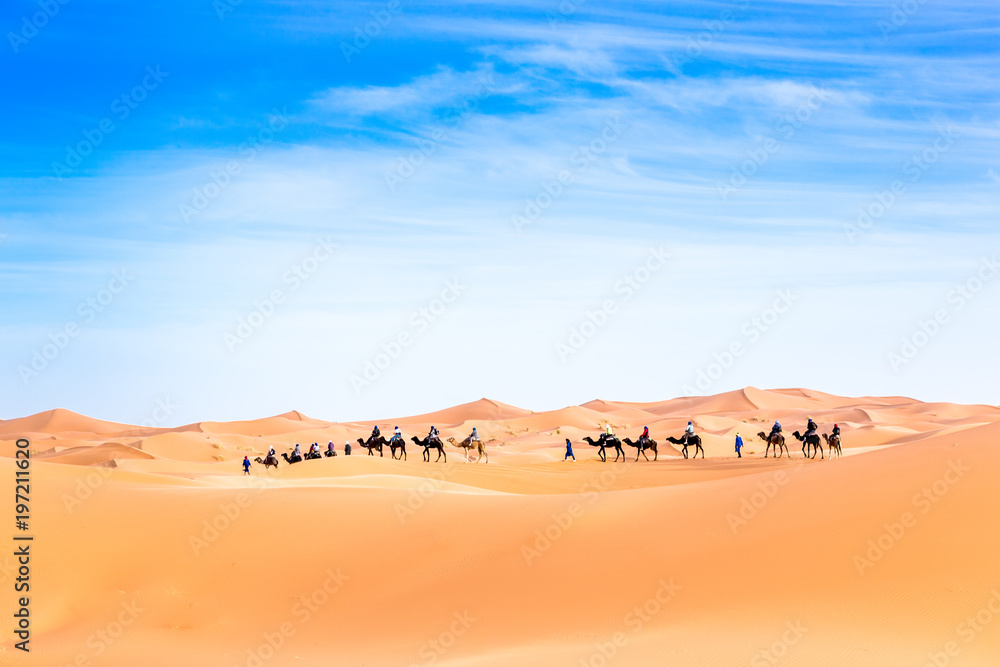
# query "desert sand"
(151, 548)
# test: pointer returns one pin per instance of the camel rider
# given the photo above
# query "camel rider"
(836, 430)
(810, 428)
(375, 434)
(433, 435)
(608, 433)
(314, 449)
(397, 435)
(688, 432)
(297, 452)
(271, 454)
(330, 451)
(776, 429)
(645, 434)
(475, 435)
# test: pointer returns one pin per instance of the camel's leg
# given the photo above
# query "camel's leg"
(643, 456)
(699, 450)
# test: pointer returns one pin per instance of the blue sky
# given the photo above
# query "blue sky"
(517, 160)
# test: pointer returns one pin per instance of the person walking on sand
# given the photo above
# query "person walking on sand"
(347, 448)
(739, 445)
(569, 451)
(246, 465)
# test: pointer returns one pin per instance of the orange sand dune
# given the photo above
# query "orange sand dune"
(58, 421)
(153, 549)
(484, 410)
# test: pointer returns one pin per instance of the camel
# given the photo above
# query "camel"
(330, 453)
(372, 444)
(833, 443)
(693, 440)
(642, 447)
(293, 459)
(393, 444)
(468, 445)
(807, 441)
(777, 440)
(428, 445)
(267, 462)
(309, 456)
(604, 443)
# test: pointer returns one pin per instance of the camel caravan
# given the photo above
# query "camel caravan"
(607, 441)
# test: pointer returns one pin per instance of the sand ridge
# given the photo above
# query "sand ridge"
(876, 558)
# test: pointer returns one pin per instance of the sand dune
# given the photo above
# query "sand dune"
(154, 536)
(484, 410)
